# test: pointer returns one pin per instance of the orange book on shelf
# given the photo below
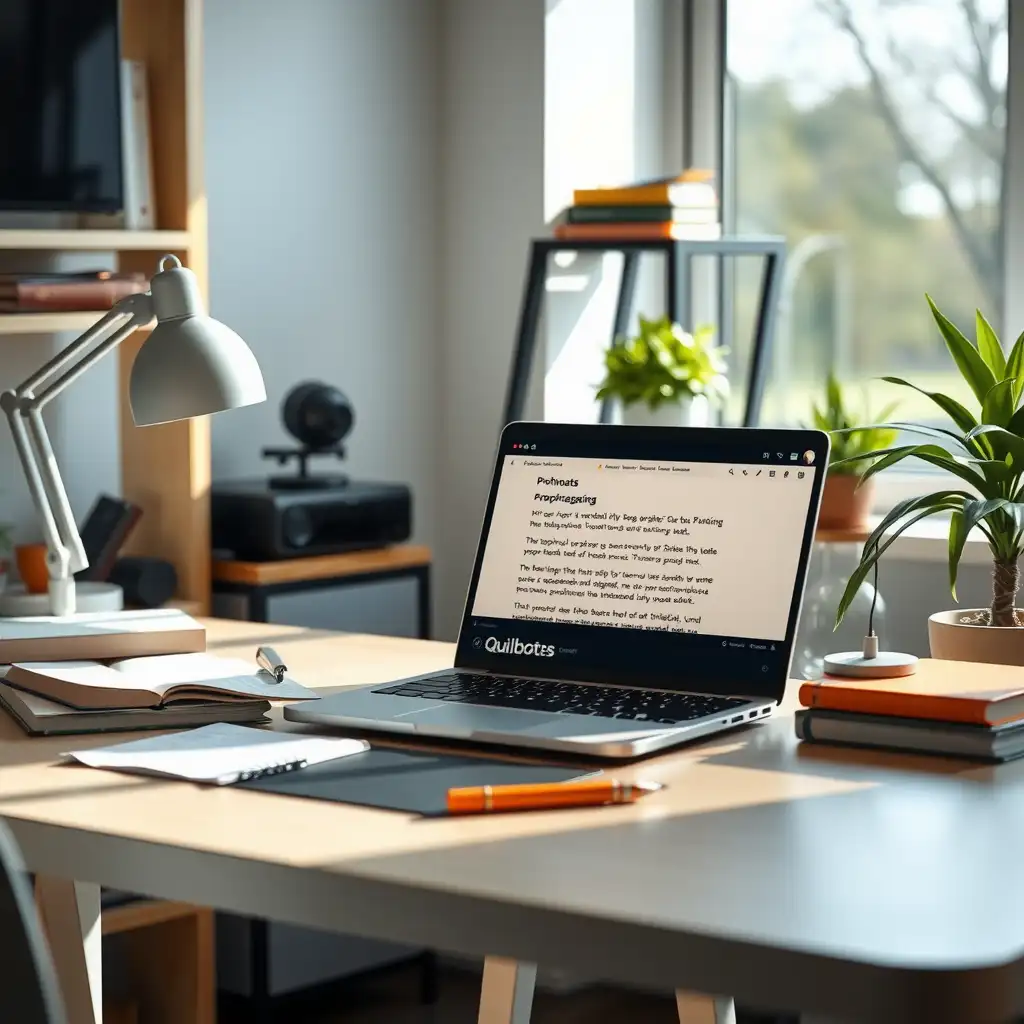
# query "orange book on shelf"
(692, 188)
(629, 231)
(942, 691)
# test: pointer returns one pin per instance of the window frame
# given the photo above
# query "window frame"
(704, 142)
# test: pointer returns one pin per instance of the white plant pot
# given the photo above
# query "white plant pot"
(951, 638)
(690, 412)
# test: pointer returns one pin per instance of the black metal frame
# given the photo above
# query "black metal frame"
(259, 594)
(678, 277)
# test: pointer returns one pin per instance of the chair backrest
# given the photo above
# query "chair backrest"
(28, 992)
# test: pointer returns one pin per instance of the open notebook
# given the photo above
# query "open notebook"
(151, 682)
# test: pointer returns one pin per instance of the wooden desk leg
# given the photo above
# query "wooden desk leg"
(506, 993)
(71, 919)
(695, 1008)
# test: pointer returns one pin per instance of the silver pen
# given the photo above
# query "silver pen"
(269, 661)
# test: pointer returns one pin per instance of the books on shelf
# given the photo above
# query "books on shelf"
(683, 207)
(692, 188)
(155, 682)
(99, 635)
(39, 716)
(638, 232)
(82, 292)
(139, 189)
(949, 707)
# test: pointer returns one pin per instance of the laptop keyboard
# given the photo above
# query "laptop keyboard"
(568, 698)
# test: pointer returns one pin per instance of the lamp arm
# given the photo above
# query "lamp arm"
(140, 310)
(23, 408)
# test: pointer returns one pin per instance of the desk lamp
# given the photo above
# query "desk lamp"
(190, 365)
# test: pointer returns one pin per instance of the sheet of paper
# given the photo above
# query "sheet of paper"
(217, 753)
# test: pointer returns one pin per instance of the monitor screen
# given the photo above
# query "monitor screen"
(60, 120)
(671, 558)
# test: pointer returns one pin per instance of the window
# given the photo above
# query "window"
(871, 134)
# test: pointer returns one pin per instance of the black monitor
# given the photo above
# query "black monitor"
(60, 105)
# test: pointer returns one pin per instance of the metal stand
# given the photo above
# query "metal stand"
(678, 276)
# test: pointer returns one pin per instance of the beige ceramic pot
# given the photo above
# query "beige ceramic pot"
(952, 639)
(844, 505)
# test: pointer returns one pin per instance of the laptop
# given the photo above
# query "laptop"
(634, 588)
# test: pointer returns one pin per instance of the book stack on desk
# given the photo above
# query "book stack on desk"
(681, 207)
(953, 708)
(135, 670)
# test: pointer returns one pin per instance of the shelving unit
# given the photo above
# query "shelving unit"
(46, 323)
(88, 240)
(165, 469)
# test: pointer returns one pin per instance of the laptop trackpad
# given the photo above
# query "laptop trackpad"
(474, 718)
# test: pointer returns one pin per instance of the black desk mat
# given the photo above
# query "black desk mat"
(404, 780)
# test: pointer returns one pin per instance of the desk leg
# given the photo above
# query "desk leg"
(695, 1008)
(506, 993)
(71, 919)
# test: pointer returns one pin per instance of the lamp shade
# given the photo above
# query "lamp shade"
(190, 365)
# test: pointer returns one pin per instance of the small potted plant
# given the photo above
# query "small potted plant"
(665, 376)
(848, 495)
(983, 448)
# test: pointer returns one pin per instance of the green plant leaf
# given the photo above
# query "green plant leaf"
(959, 414)
(937, 456)
(960, 526)
(998, 405)
(870, 556)
(988, 346)
(1015, 367)
(1003, 442)
(948, 499)
(972, 367)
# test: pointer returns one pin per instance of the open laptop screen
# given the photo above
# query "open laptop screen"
(655, 557)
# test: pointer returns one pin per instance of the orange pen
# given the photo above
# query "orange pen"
(585, 793)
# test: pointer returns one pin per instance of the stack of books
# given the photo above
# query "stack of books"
(953, 708)
(681, 207)
(146, 670)
(93, 290)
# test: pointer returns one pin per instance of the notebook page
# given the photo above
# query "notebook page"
(216, 753)
(162, 672)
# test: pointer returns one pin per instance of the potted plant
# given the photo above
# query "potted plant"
(665, 376)
(848, 494)
(984, 450)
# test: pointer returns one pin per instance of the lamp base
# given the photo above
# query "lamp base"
(885, 665)
(15, 601)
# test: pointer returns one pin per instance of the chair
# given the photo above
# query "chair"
(29, 993)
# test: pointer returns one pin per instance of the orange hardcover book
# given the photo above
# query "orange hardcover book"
(630, 231)
(941, 691)
(691, 188)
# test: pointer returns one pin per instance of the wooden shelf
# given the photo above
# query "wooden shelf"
(46, 323)
(95, 241)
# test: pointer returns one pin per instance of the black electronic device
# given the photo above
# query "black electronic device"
(104, 533)
(259, 522)
(60, 120)
(146, 582)
(319, 417)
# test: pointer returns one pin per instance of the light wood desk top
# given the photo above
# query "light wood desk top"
(828, 881)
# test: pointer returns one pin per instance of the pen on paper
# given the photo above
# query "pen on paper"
(268, 660)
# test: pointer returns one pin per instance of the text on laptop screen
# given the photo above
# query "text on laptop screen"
(608, 561)
(690, 546)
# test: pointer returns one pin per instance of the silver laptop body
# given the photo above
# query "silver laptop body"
(634, 588)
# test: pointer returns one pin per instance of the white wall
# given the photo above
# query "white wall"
(321, 156)
(492, 203)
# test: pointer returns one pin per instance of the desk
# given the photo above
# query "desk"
(850, 884)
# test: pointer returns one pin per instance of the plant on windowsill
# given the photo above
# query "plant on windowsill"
(985, 452)
(665, 376)
(848, 495)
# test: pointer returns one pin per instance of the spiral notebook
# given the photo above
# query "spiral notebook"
(218, 754)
